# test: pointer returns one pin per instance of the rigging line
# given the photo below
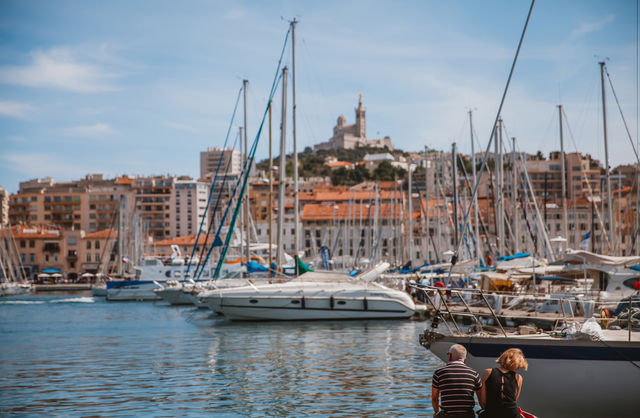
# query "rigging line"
(231, 200)
(621, 114)
(274, 86)
(215, 209)
(213, 183)
(588, 181)
(249, 162)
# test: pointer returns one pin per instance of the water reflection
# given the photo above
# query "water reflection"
(135, 358)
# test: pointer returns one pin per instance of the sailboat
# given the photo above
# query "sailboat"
(13, 280)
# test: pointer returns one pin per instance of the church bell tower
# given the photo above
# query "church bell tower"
(361, 120)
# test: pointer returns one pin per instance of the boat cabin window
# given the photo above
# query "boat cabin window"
(205, 273)
(604, 280)
(177, 274)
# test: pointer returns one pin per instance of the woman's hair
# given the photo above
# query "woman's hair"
(512, 359)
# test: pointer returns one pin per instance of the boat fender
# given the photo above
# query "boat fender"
(365, 304)
(303, 305)
(331, 302)
(604, 314)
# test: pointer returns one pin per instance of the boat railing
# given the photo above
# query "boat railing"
(451, 305)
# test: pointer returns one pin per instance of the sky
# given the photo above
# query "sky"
(141, 88)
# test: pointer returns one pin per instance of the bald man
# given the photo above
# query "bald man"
(453, 386)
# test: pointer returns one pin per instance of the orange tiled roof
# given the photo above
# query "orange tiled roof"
(318, 212)
(33, 232)
(337, 164)
(105, 233)
(185, 240)
(123, 180)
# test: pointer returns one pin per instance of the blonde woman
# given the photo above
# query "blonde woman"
(501, 386)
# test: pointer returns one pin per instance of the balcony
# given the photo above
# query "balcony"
(51, 247)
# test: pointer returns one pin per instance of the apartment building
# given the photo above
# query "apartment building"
(90, 204)
(222, 160)
(187, 211)
(153, 196)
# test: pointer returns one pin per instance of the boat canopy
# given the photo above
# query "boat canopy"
(587, 257)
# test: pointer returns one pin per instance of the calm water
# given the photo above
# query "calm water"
(72, 355)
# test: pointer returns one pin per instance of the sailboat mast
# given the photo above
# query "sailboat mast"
(296, 208)
(426, 205)
(270, 204)
(242, 220)
(500, 189)
(563, 176)
(454, 169)
(246, 194)
(283, 165)
(410, 217)
(514, 198)
(612, 229)
(475, 197)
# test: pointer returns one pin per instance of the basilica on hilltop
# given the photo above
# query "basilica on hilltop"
(353, 136)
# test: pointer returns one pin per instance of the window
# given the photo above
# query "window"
(23, 243)
(32, 258)
(46, 258)
(32, 243)
(88, 257)
(97, 245)
(88, 245)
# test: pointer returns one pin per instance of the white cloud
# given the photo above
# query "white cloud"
(98, 129)
(588, 27)
(181, 127)
(234, 14)
(16, 138)
(15, 109)
(39, 165)
(58, 68)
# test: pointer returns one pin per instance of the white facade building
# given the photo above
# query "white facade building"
(188, 208)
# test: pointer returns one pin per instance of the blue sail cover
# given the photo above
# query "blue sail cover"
(513, 257)
(253, 267)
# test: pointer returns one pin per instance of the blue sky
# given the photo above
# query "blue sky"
(140, 88)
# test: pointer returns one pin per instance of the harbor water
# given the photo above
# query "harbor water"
(75, 355)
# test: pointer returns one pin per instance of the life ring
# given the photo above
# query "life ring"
(439, 284)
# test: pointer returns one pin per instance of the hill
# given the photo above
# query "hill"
(311, 164)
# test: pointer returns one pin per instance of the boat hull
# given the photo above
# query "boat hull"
(315, 309)
(175, 295)
(311, 301)
(132, 290)
(565, 377)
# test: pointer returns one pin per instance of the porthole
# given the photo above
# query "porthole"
(253, 300)
(295, 301)
(342, 302)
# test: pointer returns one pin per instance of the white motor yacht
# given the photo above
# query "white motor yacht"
(313, 295)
